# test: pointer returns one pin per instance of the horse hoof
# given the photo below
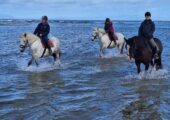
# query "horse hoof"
(120, 55)
(57, 63)
(102, 56)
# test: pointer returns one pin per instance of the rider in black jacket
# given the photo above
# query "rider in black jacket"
(42, 31)
(147, 30)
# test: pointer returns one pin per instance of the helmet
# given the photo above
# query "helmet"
(45, 18)
(107, 20)
(148, 14)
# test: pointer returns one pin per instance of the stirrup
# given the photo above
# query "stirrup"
(50, 51)
(115, 43)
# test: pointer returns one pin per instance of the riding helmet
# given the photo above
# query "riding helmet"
(45, 18)
(148, 14)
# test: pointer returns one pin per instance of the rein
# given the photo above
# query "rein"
(109, 44)
(24, 46)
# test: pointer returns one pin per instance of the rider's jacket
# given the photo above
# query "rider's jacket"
(146, 30)
(43, 29)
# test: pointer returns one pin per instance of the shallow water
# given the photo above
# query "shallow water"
(85, 86)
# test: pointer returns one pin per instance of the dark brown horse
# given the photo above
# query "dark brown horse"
(139, 49)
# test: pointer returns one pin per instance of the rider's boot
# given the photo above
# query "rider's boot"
(115, 42)
(155, 48)
(49, 48)
(156, 56)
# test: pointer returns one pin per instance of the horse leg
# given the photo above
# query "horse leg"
(102, 52)
(57, 57)
(152, 64)
(146, 67)
(54, 56)
(160, 61)
(120, 47)
(35, 58)
(30, 62)
(138, 67)
(36, 62)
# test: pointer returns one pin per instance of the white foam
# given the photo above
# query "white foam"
(43, 66)
(151, 74)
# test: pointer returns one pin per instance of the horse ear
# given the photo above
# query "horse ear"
(94, 29)
(25, 34)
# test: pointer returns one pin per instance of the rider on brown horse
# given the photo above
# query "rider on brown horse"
(146, 31)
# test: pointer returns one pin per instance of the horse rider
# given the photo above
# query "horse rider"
(146, 30)
(42, 31)
(109, 29)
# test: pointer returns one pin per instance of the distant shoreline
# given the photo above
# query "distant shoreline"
(63, 20)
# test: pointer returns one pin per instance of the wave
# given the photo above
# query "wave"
(6, 20)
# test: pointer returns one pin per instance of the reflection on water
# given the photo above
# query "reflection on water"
(37, 97)
(147, 105)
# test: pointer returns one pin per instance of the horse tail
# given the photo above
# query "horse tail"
(125, 39)
(125, 42)
(122, 47)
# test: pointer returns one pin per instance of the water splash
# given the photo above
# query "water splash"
(151, 74)
(41, 68)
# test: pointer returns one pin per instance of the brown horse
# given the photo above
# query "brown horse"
(140, 50)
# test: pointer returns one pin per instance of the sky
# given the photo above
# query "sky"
(85, 9)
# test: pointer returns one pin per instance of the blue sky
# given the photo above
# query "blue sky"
(85, 9)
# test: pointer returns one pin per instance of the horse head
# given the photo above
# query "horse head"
(23, 42)
(130, 46)
(94, 34)
(27, 39)
(97, 32)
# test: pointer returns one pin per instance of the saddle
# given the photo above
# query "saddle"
(115, 37)
(50, 43)
(149, 46)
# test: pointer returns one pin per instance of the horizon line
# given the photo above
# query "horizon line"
(78, 19)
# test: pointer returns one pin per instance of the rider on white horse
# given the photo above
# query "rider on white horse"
(105, 41)
(42, 31)
(109, 29)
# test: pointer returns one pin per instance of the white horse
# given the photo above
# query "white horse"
(105, 41)
(37, 49)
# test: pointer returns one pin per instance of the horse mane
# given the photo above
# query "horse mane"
(101, 30)
(130, 41)
(31, 36)
(138, 42)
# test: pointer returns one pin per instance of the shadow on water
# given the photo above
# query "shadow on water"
(147, 105)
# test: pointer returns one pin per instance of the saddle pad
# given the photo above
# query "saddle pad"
(50, 43)
(115, 37)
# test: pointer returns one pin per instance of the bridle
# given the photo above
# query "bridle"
(27, 43)
(24, 46)
(94, 36)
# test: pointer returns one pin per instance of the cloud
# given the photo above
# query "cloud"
(68, 1)
(84, 9)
